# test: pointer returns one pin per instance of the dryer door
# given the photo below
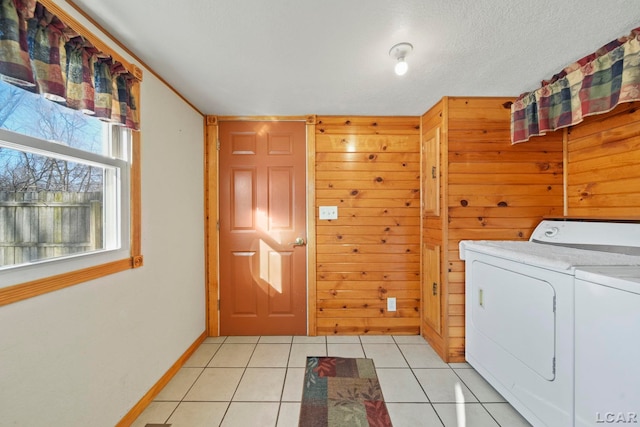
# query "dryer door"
(517, 312)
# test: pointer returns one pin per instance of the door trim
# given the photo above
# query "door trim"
(211, 224)
(311, 226)
(212, 212)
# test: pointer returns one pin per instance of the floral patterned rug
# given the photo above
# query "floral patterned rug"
(342, 392)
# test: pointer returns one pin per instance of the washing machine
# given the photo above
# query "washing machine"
(607, 346)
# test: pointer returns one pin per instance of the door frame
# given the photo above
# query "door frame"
(212, 216)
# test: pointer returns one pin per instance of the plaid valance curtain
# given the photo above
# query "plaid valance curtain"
(41, 54)
(593, 85)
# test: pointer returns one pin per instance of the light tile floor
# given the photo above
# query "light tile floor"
(257, 381)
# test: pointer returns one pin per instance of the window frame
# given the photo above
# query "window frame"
(117, 176)
(33, 288)
(44, 285)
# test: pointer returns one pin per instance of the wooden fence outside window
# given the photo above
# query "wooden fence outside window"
(42, 225)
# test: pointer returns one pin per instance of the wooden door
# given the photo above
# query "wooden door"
(431, 292)
(431, 172)
(263, 228)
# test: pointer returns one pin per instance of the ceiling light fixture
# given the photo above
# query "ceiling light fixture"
(399, 52)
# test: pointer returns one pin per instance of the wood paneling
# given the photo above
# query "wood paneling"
(603, 165)
(489, 190)
(370, 168)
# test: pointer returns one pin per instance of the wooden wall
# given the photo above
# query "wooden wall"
(370, 168)
(490, 190)
(497, 191)
(603, 165)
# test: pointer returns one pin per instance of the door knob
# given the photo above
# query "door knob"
(298, 242)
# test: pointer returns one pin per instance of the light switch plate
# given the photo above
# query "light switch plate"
(391, 304)
(328, 212)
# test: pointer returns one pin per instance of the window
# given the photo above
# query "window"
(69, 183)
(64, 188)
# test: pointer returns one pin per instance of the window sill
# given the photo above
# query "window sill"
(32, 289)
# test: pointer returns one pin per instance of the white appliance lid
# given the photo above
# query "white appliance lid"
(624, 278)
(545, 255)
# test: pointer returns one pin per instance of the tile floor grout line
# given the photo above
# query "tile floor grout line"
(436, 412)
(226, 412)
(402, 353)
(289, 355)
(287, 368)
(411, 369)
(416, 378)
(490, 414)
(229, 402)
(286, 374)
(472, 392)
(465, 384)
(194, 381)
(421, 386)
(246, 366)
(278, 414)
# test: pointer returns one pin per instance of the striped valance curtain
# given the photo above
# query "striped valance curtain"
(593, 85)
(42, 54)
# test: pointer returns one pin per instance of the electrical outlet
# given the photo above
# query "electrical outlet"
(391, 304)
(328, 212)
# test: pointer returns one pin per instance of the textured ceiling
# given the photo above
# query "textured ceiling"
(297, 57)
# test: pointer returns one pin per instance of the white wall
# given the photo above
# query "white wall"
(84, 355)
